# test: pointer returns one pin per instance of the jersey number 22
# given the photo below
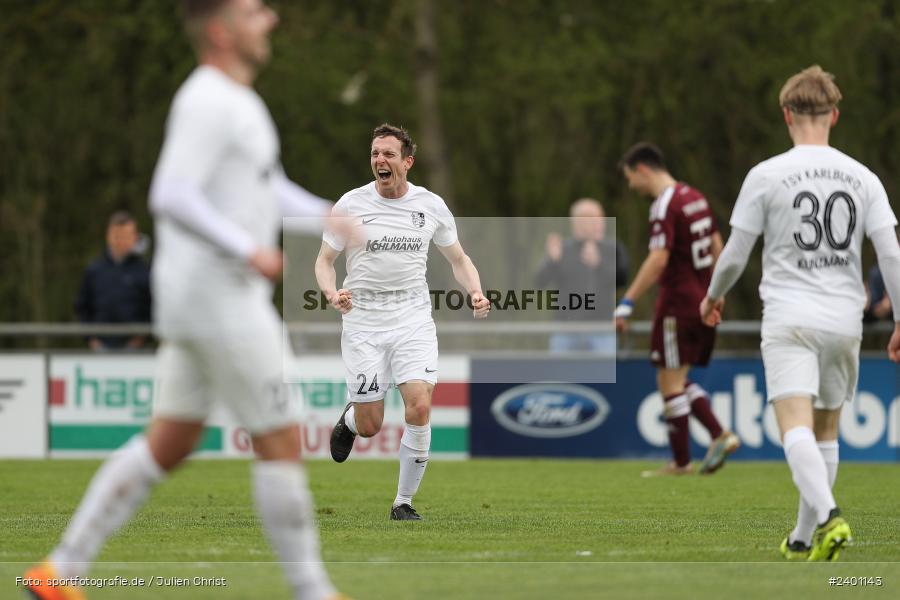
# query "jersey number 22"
(700, 247)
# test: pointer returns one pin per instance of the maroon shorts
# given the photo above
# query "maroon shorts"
(679, 341)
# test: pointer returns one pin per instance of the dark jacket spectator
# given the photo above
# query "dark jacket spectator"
(586, 263)
(878, 304)
(115, 287)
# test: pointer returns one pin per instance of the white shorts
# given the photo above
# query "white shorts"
(244, 372)
(375, 360)
(810, 362)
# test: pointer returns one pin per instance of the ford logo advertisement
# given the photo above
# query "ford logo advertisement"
(550, 410)
(625, 419)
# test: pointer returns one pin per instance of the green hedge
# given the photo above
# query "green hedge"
(537, 101)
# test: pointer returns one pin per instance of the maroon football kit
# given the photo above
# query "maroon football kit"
(681, 222)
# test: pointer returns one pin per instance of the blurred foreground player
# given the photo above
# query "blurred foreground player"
(218, 195)
(388, 336)
(684, 244)
(812, 205)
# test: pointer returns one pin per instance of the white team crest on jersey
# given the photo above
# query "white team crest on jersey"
(418, 219)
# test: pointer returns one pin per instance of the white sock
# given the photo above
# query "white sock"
(806, 516)
(286, 509)
(350, 419)
(809, 470)
(414, 446)
(694, 391)
(115, 493)
(831, 455)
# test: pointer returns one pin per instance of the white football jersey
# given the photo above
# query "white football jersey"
(813, 205)
(220, 138)
(386, 259)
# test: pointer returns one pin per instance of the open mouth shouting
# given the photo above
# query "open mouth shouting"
(390, 166)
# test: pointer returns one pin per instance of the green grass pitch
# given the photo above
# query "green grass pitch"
(530, 529)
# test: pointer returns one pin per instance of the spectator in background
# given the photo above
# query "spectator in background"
(878, 306)
(116, 285)
(584, 263)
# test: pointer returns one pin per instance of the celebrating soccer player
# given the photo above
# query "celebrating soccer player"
(388, 333)
(812, 205)
(684, 244)
(218, 195)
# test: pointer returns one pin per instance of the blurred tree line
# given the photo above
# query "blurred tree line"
(519, 107)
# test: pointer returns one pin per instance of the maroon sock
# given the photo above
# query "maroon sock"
(676, 411)
(701, 409)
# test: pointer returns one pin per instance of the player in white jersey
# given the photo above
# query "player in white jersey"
(218, 195)
(812, 205)
(388, 332)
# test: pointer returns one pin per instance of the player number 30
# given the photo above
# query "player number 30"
(825, 227)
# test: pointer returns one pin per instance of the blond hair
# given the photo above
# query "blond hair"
(812, 91)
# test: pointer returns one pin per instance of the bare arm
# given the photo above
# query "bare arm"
(466, 275)
(648, 274)
(716, 248)
(464, 270)
(327, 279)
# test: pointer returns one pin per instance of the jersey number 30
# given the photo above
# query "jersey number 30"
(825, 227)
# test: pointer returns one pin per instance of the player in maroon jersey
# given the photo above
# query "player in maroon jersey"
(684, 244)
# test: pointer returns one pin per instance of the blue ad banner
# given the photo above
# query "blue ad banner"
(624, 419)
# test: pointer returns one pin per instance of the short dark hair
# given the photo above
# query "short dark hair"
(121, 217)
(200, 9)
(407, 146)
(643, 153)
